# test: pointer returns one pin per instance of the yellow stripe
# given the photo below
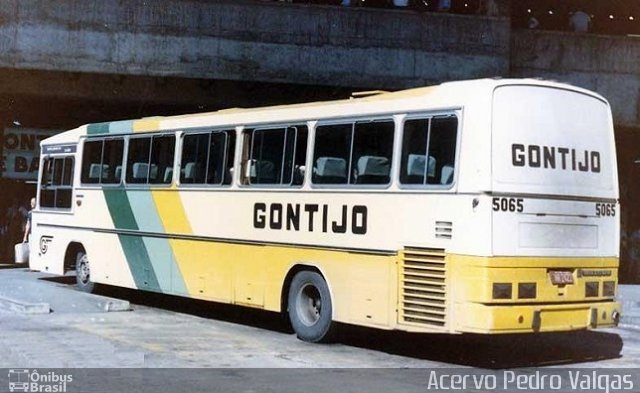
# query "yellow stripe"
(147, 124)
(171, 211)
(174, 220)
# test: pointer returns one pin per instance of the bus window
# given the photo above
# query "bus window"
(372, 151)
(102, 161)
(332, 153)
(230, 154)
(203, 158)
(355, 153)
(161, 162)
(442, 147)
(215, 168)
(437, 136)
(266, 156)
(150, 159)
(299, 155)
(112, 161)
(91, 162)
(195, 150)
(277, 156)
(138, 160)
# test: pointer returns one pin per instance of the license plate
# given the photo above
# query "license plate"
(561, 277)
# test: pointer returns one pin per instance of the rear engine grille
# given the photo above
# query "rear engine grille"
(423, 286)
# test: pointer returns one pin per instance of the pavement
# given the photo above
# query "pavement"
(629, 296)
(82, 330)
(26, 294)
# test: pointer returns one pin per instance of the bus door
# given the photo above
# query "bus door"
(56, 185)
(54, 200)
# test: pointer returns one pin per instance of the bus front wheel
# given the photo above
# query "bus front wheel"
(83, 273)
(310, 308)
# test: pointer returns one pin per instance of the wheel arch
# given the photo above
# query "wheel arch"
(70, 255)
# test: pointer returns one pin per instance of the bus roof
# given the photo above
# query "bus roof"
(444, 96)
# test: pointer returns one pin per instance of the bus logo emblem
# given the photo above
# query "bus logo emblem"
(44, 243)
(18, 380)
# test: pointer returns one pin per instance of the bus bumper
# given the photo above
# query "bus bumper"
(482, 318)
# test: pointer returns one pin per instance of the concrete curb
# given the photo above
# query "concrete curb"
(23, 307)
(112, 305)
(13, 265)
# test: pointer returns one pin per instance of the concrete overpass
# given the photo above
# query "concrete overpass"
(179, 52)
(184, 52)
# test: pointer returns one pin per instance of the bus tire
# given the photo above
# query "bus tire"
(83, 273)
(310, 308)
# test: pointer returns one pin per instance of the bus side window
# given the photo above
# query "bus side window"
(102, 161)
(230, 156)
(215, 167)
(437, 136)
(442, 146)
(332, 153)
(161, 160)
(277, 156)
(91, 162)
(138, 160)
(207, 158)
(372, 152)
(194, 158)
(298, 155)
(112, 161)
(354, 153)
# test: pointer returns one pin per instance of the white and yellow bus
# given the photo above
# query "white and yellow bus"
(487, 206)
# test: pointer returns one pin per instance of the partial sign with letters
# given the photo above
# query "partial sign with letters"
(21, 152)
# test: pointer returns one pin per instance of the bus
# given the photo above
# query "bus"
(484, 206)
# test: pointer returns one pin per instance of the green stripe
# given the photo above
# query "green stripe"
(98, 128)
(133, 246)
(160, 252)
(114, 127)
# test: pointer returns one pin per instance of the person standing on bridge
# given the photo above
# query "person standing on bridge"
(580, 22)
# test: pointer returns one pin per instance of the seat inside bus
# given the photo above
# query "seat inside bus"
(330, 170)
(262, 172)
(141, 171)
(96, 171)
(416, 166)
(372, 170)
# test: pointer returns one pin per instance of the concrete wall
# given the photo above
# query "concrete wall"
(268, 42)
(606, 64)
(276, 42)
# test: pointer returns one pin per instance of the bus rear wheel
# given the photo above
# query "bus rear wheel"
(310, 307)
(83, 273)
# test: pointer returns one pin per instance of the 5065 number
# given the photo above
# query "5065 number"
(605, 209)
(508, 204)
